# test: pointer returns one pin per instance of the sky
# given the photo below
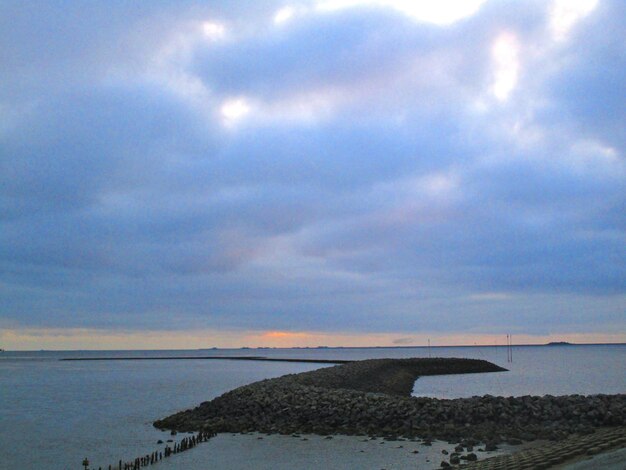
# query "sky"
(340, 172)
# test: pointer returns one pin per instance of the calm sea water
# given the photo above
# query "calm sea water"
(55, 413)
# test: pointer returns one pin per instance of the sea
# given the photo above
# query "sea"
(54, 413)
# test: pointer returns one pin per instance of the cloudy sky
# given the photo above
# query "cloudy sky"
(190, 174)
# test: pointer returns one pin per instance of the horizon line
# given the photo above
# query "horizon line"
(551, 343)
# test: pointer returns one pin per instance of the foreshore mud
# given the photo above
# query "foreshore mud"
(372, 398)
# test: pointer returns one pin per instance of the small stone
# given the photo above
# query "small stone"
(444, 464)
(490, 446)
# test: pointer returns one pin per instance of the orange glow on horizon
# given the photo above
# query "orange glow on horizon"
(76, 338)
(284, 334)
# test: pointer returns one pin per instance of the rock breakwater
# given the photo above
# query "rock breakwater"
(373, 398)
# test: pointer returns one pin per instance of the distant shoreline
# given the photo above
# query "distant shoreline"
(320, 348)
(228, 358)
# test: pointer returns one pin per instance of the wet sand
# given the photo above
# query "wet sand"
(256, 451)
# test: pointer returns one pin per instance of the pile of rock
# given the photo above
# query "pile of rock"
(372, 398)
(389, 376)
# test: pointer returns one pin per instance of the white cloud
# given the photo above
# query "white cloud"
(283, 15)
(506, 65)
(213, 30)
(593, 158)
(233, 110)
(441, 12)
(566, 13)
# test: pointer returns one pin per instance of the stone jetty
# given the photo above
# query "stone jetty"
(373, 398)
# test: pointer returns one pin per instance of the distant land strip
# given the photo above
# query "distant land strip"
(229, 358)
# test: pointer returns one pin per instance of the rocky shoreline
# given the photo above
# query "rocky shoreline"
(373, 398)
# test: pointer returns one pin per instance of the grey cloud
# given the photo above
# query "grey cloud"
(515, 226)
(79, 144)
(589, 88)
(123, 205)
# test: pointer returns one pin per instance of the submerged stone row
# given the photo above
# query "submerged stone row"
(353, 399)
(137, 463)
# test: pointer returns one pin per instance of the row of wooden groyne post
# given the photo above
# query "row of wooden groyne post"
(155, 457)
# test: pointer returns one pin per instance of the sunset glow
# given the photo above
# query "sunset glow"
(89, 339)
